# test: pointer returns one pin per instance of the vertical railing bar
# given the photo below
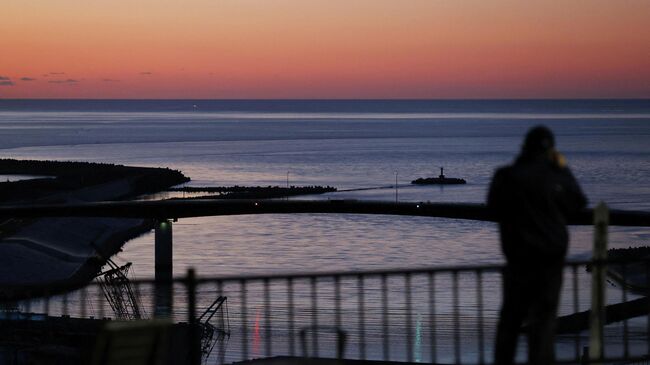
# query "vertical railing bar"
(337, 301)
(339, 333)
(222, 355)
(626, 348)
(100, 301)
(647, 285)
(65, 304)
(576, 309)
(172, 290)
(194, 341)
(479, 302)
(82, 298)
(292, 349)
(598, 280)
(456, 318)
(409, 326)
(314, 315)
(46, 304)
(244, 320)
(362, 324)
(432, 316)
(384, 309)
(138, 299)
(152, 297)
(28, 308)
(337, 318)
(267, 317)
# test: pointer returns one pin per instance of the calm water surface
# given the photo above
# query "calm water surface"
(349, 145)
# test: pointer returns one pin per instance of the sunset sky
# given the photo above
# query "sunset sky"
(324, 49)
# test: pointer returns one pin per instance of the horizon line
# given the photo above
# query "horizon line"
(336, 99)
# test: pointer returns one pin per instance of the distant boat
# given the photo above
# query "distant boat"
(440, 180)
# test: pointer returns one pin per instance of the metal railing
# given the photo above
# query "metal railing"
(432, 315)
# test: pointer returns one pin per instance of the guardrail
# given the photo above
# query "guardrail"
(166, 211)
(433, 315)
(436, 315)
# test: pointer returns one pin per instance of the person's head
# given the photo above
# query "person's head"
(539, 142)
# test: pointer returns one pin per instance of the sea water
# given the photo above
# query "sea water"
(359, 147)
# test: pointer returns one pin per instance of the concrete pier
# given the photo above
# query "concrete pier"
(163, 268)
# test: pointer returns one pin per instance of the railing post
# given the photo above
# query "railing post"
(194, 340)
(163, 268)
(598, 272)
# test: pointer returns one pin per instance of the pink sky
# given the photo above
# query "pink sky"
(324, 49)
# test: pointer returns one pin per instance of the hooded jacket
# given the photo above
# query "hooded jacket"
(532, 200)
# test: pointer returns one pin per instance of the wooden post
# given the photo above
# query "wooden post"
(163, 268)
(598, 272)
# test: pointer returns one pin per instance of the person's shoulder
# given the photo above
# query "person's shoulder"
(501, 174)
(564, 174)
(503, 170)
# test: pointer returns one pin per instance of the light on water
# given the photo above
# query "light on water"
(417, 347)
(362, 151)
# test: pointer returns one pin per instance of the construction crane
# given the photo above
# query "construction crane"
(211, 333)
(214, 323)
(118, 291)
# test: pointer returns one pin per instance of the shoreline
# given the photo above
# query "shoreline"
(37, 255)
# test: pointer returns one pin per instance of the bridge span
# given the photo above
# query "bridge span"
(186, 208)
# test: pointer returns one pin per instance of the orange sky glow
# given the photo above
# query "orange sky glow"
(324, 49)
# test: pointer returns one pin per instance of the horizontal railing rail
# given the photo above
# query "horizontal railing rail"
(436, 315)
(433, 315)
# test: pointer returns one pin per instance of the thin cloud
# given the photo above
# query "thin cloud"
(53, 74)
(68, 81)
(146, 73)
(6, 81)
(27, 79)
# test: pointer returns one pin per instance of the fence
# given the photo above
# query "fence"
(433, 315)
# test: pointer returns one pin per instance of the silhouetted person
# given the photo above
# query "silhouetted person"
(532, 199)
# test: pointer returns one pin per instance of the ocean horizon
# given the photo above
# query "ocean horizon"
(330, 105)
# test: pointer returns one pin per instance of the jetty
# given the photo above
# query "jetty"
(253, 192)
(46, 251)
(440, 180)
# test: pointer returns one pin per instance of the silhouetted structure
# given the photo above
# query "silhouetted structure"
(440, 180)
(532, 200)
(119, 292)
(255, 192)
(211, 333)
(36, 252)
